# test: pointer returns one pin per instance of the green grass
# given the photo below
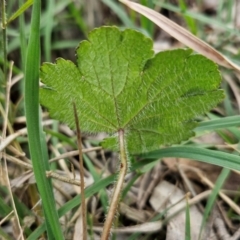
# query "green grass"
(37, 144)
(36, 34)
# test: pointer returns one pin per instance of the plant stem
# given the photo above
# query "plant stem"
(81, 169)
(118, 187)
(4, 39)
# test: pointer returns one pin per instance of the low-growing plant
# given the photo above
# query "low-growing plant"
(144, 101)
(141, 99)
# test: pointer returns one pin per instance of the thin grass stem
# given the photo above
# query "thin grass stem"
(4, 38)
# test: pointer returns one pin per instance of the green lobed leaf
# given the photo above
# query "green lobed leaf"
(118, 83)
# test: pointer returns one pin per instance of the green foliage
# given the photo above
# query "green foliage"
(118, 83)
(212, 198)
(36, 138)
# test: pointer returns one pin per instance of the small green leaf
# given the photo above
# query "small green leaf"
(118, 83)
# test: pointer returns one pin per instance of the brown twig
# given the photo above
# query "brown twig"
(73, 153)
(20, 132)
(62, 178)
(84, 218)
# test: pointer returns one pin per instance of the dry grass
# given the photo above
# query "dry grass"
(155, 200)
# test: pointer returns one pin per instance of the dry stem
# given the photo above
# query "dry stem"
(84, 218)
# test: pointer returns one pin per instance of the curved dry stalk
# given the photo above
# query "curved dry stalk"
(118, 187)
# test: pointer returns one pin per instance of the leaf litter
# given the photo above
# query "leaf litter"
(169, 175)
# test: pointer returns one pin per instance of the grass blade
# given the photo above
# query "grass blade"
(119, 12)
(200, 17)
(4, 235)
(222, 159)
(232, 121)
(212, 198)
(40, 164)
(24, 7)
(188, 222)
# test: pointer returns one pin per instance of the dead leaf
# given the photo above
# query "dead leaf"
(165, 195)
